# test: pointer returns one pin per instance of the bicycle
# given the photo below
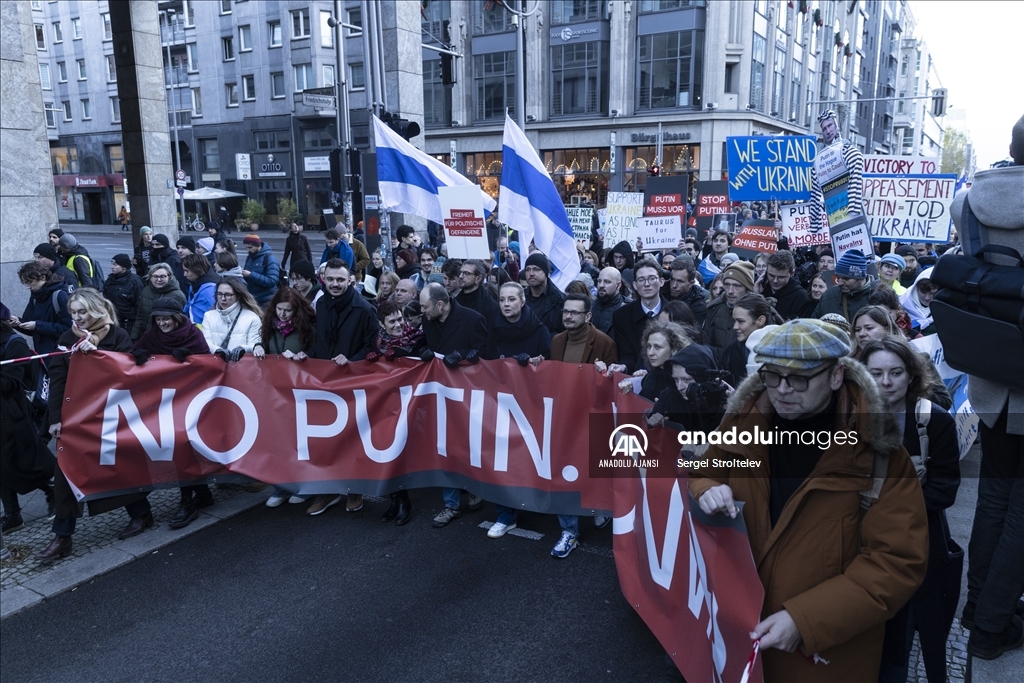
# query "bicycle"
(195, 224)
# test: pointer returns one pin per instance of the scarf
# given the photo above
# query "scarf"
(185, 336)
(285, 327)
(96, 332)
(410, 338)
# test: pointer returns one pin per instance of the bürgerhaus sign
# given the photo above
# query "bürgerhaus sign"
(653, 137)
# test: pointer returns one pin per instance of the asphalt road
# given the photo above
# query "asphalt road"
(274, 595)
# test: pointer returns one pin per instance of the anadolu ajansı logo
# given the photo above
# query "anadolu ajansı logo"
(628, 450)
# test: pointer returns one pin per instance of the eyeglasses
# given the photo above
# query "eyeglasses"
(796, 382)
(647, 280)
(573, 313)
(225, 295)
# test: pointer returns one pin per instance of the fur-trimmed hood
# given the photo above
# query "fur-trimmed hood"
(860, 407)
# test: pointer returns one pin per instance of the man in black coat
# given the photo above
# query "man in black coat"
(472, 295)
(778, 282)
(682, 286)
(628, 322)
(457, 333)
(123, 288)
(544, 298)
(609, 299)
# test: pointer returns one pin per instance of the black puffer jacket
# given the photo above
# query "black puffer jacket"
(548, 307)
(526, 335)
(123, 291)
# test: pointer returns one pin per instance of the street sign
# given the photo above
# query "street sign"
(243, 166)
(327, 90)
(180, 183)
(179, 174)
(320, 101)
(181, 190)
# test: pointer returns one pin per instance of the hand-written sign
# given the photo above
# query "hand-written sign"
(770, 167)
(659, 232)
(796, 226)
(756, 236)
(624, 208)
(581, 219)
(912, 208)
(882, 164)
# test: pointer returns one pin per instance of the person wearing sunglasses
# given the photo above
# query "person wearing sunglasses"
(831, 501)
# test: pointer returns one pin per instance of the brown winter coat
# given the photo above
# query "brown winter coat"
(599, 346)
(839, 586)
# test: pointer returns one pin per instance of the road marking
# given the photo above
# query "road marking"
(522, 533)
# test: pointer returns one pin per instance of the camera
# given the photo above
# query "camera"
(708, 393)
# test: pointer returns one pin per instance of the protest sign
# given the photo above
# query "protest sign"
(602, 222)
(725, 222)
(659, 232)
(712, 199)
(956, 383)
(834, 179)
(581, 219)
(620, 218)
(756, 237)
(796, 226)
(666, 196)
(462, 209)
(883, 164)
(909, 208)
(770, 167)
(852, 233)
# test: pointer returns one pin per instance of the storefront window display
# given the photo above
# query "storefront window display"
(678, 159)
(484, 168)
(580, 175)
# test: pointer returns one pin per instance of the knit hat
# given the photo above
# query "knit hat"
(802, 344)
(67, 241)
(742, 272)
(57, 231)
(206, 243)
(47, 251)
(252, 239)
(123, 260)
(144, 229)
(691, 232)
(837, 320)
(906, 250)
(162, 240)
(514, 246)
(827, 114)
(853, 264)
(187, 242)
(540, 260)
(895, 260)
(166, 305)
(727, 259)
(304, 268)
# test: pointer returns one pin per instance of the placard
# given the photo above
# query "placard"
(756, 237)
(659, 232)
(462, 209)
(620, 218)
(852, 234)
(909, 208)
(582, 221)
(666, 196)
(770, 167)
(796, 226)
(602, 221)
(884, 164)
(712, 199)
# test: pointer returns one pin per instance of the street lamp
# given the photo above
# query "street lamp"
(173, 86)
(341, 109)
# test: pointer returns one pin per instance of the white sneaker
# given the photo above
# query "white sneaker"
(566, 544)
(295, 500)
(274, 501)
(498, 529)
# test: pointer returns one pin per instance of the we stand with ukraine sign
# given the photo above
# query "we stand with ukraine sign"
(763, 167)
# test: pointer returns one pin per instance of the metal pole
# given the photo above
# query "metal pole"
(520, 20)
(177, 145)
(341, 107)
(368, 67)
(378, 34)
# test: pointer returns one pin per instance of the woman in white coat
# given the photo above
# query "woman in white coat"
(232, 328)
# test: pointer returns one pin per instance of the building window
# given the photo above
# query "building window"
(794, 93)
(277, 90)
(51, 121)
(900, 105)
(317, 138)
(303, 75)
(225, 6)
(678, 160)
(231, 94)
(328, 74)
(671, 69)
(192, 52)
(40, 37)
(244, 39)
(484, 168)
(269, 140)
(228, 45)
(58, 33)
(274, 30)
(76, 28)
(37, 4)
(300, 24)
(115, 110)
(210, 154)
(111, 69)
(197, 103)
(758, 56)
(357, 77)
(81, 70)
(572, 11)
(779, 82)
(663, 5)
(108, 33)
(494, 81)
(580, 175)
(66, 106)
(355, 17)
(491, 17)
(62, 72)
(432, 20)
(437, 99)
(64, 160)
(579, 79)
(44, 76)
(249, 88)
(86, 110)
(326, 32)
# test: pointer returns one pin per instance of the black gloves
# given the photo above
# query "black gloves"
(427, 356)
(372, 357)
(223, 355)
(181, 354)
(453, 359)
(141, 356)
(523, 359)
(473, 356)
(236, 354)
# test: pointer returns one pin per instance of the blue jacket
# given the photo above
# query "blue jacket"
(264, 274)
(51, 322)
(341, 251)
(201, 297)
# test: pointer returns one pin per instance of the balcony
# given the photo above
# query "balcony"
(173, 33)
(176, 77)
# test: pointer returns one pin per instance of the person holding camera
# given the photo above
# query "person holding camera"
(696, 399)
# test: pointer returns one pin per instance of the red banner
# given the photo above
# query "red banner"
(550, 439)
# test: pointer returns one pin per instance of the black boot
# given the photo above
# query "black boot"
(185, 515)
(392, 511)
(404, 509)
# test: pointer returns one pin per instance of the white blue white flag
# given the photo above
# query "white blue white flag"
(409, 178)
(531, 205)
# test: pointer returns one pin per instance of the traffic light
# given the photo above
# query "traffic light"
(939, 102)
(337, 177)
(404, 127)
(448, 76)
(654, 170)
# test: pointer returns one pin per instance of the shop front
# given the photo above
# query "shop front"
(91, 199)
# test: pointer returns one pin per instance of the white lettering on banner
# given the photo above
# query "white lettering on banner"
(664, 567)
(508, 407)
(476, 427)
(366, 432)
(443, 394)
(306, 431)
(120, 401)
(251, 419)
(700, 595)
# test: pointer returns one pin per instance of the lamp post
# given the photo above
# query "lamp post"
(341, 109)
(172, 86)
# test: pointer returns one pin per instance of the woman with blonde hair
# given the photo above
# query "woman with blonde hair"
(95, 328)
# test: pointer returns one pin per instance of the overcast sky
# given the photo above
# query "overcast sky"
(977, 51)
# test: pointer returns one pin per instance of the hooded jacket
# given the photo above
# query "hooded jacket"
(846, 305)
(202, 296)
(264, 274)
(51, 322)
(123, 291)
(147, 297)
(626, 250)
(920, 316)
(839, 571)
(526, 335)
(793, 300)
(697, 360)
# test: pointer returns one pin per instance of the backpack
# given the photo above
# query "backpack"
(923, 413)
(980, 300)
(38, 395)
(96, 275)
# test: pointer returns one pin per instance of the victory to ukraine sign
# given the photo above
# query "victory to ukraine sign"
(770, 167)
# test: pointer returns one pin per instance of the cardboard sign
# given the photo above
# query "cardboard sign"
(659, 232)
(581, 219)
(909, 208)
(756, 237)
(620, 218)
(834, 178)
(462, 209)
(770, 167)
(712, 199)
(796, 226)
(851, 234)
(666, 196)
(725, 221)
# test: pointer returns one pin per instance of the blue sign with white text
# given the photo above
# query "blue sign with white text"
(765, 167)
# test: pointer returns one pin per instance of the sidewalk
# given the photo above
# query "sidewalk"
(113, 230)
